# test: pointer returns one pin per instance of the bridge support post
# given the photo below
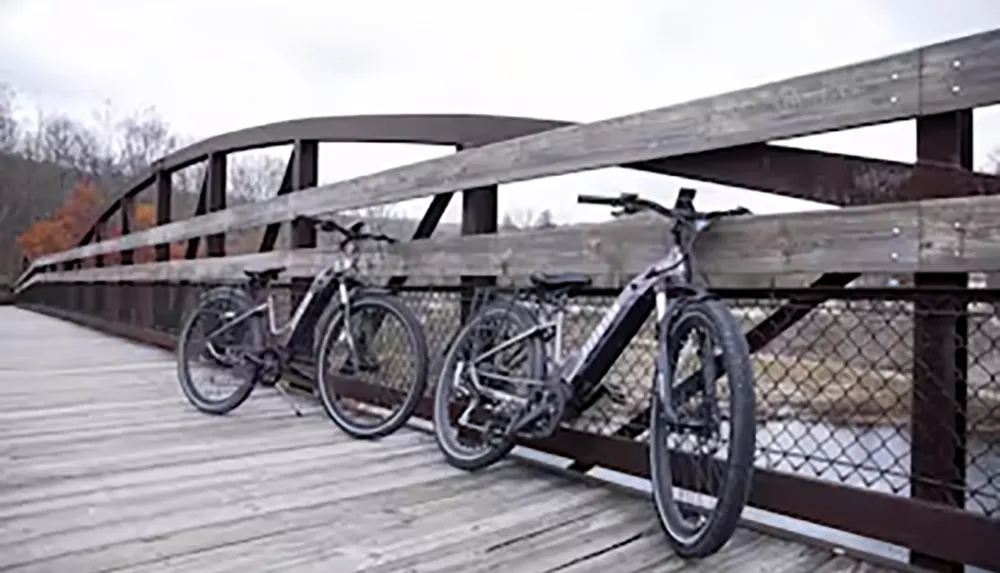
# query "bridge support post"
(479, 216)
(162, 297)
(305, 174)
(940, 344)
(191, 252)
(126, 299)
(215, 179)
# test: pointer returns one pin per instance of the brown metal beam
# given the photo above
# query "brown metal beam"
(127, 220)
(305, 174)
(831, 178)
(161, 305)
(193, 243)
(940, 349)
(216, 177)
(164, 209)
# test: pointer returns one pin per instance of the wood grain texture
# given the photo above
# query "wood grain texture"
(961, 234)
(105, 467)
(896, 87)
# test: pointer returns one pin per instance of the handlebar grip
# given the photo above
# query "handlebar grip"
(599, 200)
(727, 213)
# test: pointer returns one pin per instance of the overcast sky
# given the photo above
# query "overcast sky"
(215, 66)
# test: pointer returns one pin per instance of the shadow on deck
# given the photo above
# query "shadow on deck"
(105, 467)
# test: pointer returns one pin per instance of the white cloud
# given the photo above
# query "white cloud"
(211, 67)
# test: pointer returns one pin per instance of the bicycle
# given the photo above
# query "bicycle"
(518, 381)
(244, 337)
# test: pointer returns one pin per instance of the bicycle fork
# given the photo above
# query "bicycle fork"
(662, 390)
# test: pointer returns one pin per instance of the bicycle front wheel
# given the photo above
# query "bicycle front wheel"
(372, 366)
(707, 451)
(221, 362)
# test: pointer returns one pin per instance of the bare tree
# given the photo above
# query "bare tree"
(255, 177)
(526, 218)
(545, 220)
(520, 218)
(9, 129)
(43, 157)
(141, 139)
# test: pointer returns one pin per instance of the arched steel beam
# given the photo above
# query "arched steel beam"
(465, 130)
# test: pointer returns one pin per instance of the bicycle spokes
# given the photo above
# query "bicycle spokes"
(222, 362)
(699, 431)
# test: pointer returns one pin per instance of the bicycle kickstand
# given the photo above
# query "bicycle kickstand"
(287, 397)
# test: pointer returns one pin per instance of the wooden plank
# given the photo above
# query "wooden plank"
(905, 85)
(212, 493)
(938, 235)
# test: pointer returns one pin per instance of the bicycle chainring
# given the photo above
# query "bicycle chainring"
(549, 408)
(271, 366)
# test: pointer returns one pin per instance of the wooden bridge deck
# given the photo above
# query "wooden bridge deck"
(104, 467)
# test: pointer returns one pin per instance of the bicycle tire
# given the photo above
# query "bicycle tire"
(415, 390)
(732, 497)
(214, 350)
(446, 442)
(218, 407)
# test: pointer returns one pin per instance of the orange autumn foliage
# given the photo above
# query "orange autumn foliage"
(71, 220)
(66, 225)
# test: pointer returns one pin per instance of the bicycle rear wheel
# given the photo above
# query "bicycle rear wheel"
(389, 345)
(477, 445)
(695, 528)
(232, 375)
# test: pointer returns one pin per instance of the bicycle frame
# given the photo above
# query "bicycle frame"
(619, 324)
(282, 333)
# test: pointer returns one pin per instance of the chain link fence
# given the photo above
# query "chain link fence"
(835, 390)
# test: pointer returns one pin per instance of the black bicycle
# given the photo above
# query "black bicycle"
(234, 330)
(507, 375)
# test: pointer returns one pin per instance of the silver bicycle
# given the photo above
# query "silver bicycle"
(508, 375)
(235, 331)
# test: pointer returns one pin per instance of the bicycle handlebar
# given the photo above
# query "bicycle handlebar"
(631, 203)
(351, 234)
(599, 200)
